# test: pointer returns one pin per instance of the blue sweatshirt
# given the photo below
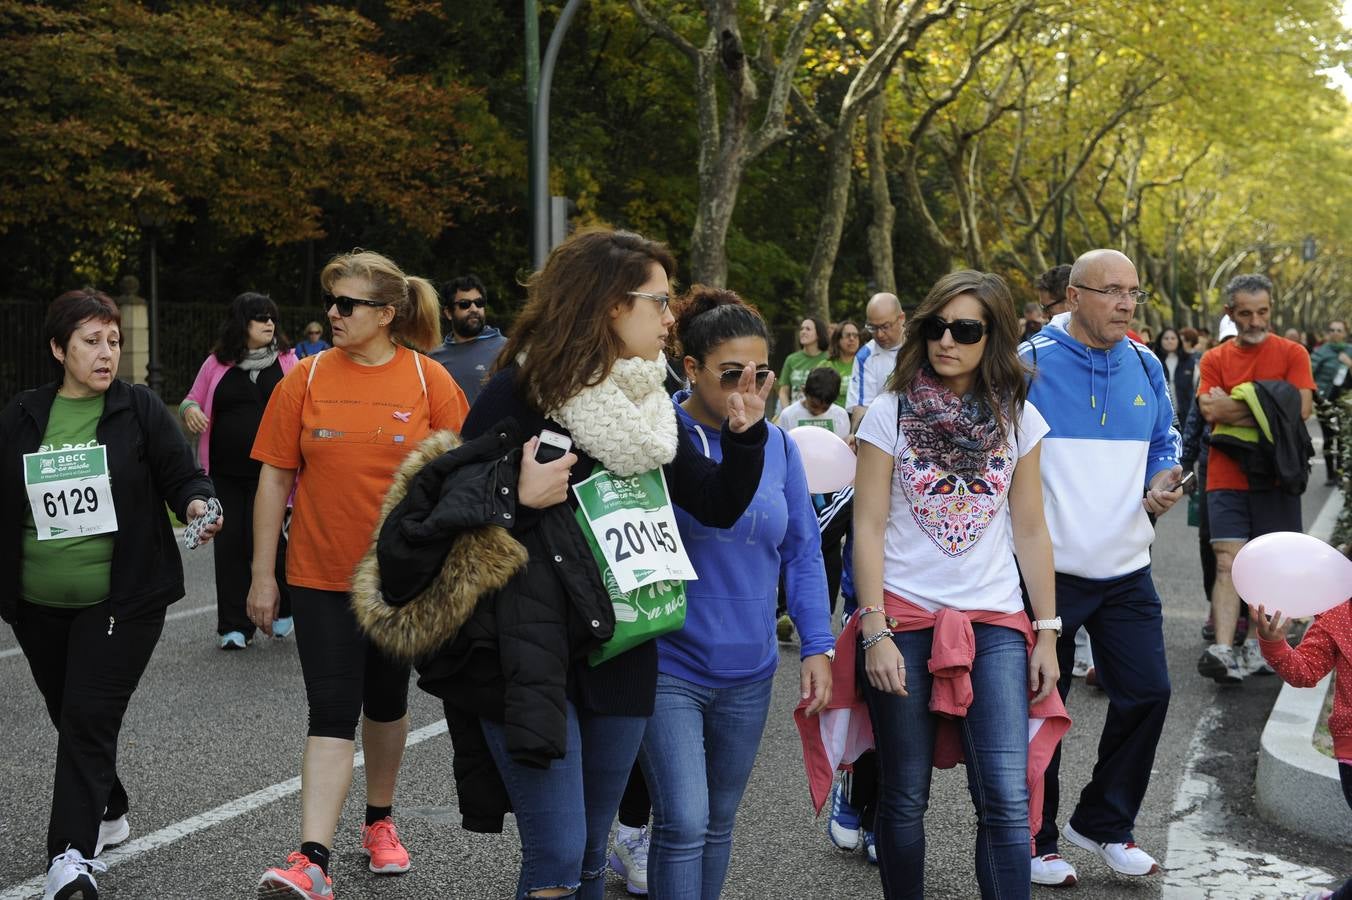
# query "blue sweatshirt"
(1111, 432)
(729, 633)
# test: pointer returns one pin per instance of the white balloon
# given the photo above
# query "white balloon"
(1293, 573)
(828, 460)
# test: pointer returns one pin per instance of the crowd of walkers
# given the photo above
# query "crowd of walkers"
(586, 537)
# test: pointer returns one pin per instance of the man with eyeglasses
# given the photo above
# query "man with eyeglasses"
(1109, 462)
(1242, 505)
(886, 324)
(472, 346)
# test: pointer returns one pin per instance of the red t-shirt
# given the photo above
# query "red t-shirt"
(347, 430)
(1231, 364)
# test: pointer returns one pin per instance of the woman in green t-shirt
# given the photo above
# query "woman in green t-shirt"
(89, 562)
(845, 343)
(812, 342)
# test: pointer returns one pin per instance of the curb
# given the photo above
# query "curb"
(1297, 787)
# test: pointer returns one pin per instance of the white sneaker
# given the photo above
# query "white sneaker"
(71, 877)
(1125, 858)
(1051, 869)
(629, 859)
(1250, 659)
(112, 832)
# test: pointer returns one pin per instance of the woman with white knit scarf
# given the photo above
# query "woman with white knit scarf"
(586, 360)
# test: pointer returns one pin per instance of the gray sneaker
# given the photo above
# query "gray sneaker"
(1251, 660)
(1218, 662)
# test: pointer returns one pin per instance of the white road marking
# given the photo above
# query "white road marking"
(1201, 864)
(209, 819)
(171, 617)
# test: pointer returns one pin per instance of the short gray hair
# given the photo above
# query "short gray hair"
(1247, 284)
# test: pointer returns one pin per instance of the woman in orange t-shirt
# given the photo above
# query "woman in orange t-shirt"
(344, 419)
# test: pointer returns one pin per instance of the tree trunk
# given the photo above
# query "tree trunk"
(884, 212)
(835, 202)
(713, 216)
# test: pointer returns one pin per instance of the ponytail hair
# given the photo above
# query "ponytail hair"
(421, 328)
(417, 313)
(709, 316)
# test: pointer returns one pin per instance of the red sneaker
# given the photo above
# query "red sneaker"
(381, 842)
(300, 878)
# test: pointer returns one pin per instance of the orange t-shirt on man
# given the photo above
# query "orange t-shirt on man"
(1232, 364)
(346, 430)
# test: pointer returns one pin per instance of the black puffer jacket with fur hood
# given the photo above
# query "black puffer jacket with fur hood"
(447, 559)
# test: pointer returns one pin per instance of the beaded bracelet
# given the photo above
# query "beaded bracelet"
(875, 638)
(865, 610)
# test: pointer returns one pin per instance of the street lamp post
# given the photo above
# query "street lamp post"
(539, 156)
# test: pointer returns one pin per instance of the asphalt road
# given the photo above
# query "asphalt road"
(212, 742)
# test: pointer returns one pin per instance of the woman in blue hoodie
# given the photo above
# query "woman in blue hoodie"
(715, 675)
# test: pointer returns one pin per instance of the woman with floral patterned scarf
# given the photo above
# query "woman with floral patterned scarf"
(947, 496)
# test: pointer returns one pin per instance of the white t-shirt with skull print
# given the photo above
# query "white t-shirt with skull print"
(949, 542)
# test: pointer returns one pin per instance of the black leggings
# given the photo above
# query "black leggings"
(345, 674)
(234, 550)
(87, 673)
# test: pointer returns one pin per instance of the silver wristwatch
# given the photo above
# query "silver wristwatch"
(1046, 624)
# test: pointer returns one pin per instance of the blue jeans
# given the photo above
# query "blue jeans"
(563, 812)
(995, 744)
(697, 757)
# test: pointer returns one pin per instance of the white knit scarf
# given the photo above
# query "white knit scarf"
(626, 422)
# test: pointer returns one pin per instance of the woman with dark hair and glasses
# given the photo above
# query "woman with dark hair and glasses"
(90, 563)
(846, 339)
(344, 420)
(541, 727)
(947, 496)
(224, 407)
(715, 674)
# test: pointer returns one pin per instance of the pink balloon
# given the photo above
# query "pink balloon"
(828, 460)
(1292, 572)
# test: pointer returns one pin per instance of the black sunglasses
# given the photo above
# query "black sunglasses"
(263, 317)
(964, 331)
(466, 304)
(346, 304)
(728, 379)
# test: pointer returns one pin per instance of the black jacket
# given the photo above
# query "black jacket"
(1283, 462)
(149, 464)
(520, 657)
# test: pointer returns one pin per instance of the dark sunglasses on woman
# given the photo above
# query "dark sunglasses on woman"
(964, 331)
(728, 379)
(263, 317)
(346, 304)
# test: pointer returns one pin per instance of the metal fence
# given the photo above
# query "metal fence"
(24, 361)
(187, 332)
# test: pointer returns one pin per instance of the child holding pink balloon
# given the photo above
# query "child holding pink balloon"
(1327, 645)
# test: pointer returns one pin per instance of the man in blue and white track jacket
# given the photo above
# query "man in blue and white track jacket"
(1109, 462)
